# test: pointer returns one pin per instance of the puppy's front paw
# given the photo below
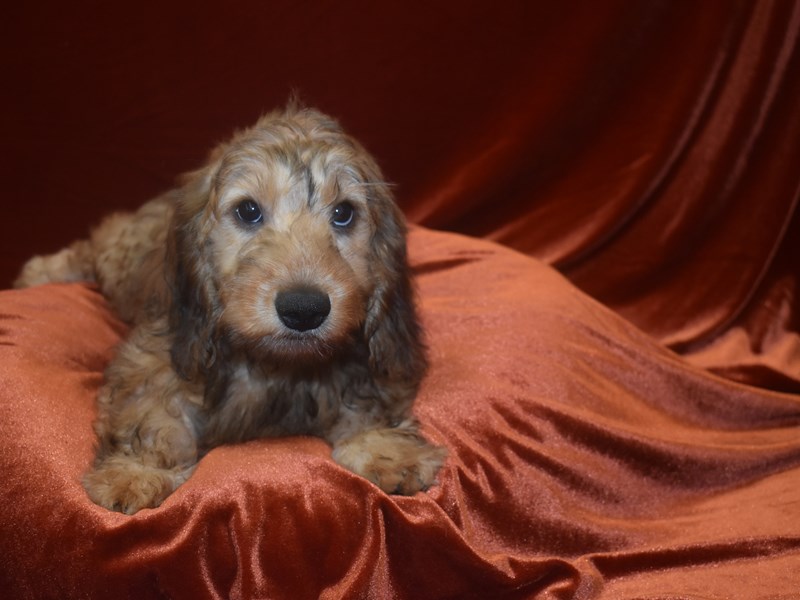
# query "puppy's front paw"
(398, 460)
(124, 484)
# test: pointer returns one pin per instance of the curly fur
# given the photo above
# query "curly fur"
(209, 359)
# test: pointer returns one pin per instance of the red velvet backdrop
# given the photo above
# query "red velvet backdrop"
(648, 149)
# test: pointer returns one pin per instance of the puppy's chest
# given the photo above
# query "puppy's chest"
(256, 405)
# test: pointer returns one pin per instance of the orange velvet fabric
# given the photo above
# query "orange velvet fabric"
(627, 429)
(585, 461)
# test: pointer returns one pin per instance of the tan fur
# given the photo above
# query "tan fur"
(210, 360)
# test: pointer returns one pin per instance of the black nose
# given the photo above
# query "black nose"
(302, 309)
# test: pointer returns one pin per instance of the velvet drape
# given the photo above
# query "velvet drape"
(606, 247)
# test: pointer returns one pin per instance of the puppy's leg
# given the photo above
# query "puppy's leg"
(127, 483)
(73, 263)
(147, 425)
(396, 459)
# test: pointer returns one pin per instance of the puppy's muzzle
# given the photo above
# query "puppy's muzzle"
(302, 309)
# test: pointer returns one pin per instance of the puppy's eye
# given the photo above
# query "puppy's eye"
(343, 215)
(248, 211)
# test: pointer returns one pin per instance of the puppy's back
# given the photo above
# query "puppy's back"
(124, 255)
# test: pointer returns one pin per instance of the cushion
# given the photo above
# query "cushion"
(585, 460)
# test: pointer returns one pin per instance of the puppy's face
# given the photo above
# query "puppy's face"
(286, 235)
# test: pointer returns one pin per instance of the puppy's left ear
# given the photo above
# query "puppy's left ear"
(393, 333)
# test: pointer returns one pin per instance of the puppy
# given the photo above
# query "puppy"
(268, 295)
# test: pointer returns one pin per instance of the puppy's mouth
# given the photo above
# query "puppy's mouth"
(307, 343)
(292, 348)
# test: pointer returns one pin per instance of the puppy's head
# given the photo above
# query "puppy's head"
(289, 247)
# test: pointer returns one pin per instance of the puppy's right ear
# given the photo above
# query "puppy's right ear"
(193, 306)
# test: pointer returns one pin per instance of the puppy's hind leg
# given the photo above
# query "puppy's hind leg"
(73, 263)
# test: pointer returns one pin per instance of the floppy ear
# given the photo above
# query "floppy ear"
(393, 333)
(192, 318)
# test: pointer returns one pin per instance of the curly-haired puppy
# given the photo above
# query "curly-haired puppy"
(268, 295)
